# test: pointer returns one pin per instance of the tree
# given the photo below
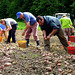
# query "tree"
(9, 8)
(3, 6)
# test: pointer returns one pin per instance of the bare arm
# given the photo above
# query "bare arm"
(27, 25)
(52, 33)
(44, 34)
(72, 29)
(9, 28)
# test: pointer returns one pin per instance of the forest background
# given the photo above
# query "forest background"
(9, 8)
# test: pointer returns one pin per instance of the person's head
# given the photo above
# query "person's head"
(19, 15)
(40, 20)
(64, 15)
(3, 22)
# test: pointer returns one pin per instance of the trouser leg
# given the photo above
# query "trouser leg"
(63, 39)
(34, 31)
(28, 34)
(27, 44)
(9, 36)
(14, 27)
(67, 32)
(47, 44)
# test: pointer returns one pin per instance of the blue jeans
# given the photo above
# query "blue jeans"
(12, 33)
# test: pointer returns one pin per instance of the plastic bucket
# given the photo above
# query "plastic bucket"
(71, 50)
(72, 38)
(22, 43)
(1, 38)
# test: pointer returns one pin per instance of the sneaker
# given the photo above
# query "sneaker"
(13, 42)
(27, 45)
(7, 42)
(38, 43)
(38, 46)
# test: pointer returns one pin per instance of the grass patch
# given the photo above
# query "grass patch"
(21, 26)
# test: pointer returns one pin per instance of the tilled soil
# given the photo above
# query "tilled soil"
(35, 61)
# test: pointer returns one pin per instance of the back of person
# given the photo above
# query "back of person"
(51, 18)
(50, 24)
(10, 21)
(29, 17)
(66, 22)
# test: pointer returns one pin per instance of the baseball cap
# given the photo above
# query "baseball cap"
(18, 14)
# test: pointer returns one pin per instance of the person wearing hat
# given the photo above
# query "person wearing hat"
(51, 26)
(31, 26)
(11, 25)
(67, 26)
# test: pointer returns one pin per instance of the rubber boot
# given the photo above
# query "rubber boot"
(47, 44)
(38, 43)
(27, 44)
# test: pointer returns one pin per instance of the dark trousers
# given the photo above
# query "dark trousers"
(67, 32)
(12, 33)
(61, 37)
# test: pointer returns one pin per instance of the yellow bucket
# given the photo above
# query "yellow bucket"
(22, 43)
(11, 39)
(1, 38)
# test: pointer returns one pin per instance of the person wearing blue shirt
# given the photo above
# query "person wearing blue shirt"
(31, 26)
(3, 31)
(51, 26)
(2, 27)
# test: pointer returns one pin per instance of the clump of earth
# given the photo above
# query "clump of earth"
(15, 60)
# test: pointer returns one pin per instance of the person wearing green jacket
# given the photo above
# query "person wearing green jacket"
(67, 26)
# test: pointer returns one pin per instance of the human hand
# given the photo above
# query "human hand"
(23, 33)
(4, 30)
(48, 37)
(72, 31)
(44, 37)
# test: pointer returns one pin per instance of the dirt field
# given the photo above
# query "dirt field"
(35, 61)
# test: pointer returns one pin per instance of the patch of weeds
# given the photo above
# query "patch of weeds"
(13, 52)
(31, 39)
(30, 53)
(14, 62)
(1, 54)
(21, 49)
(34, 56)
(22, 56)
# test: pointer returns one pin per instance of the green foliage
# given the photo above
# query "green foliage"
(73, 7)
(21, 26)
(9, 8)
(3, 9)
